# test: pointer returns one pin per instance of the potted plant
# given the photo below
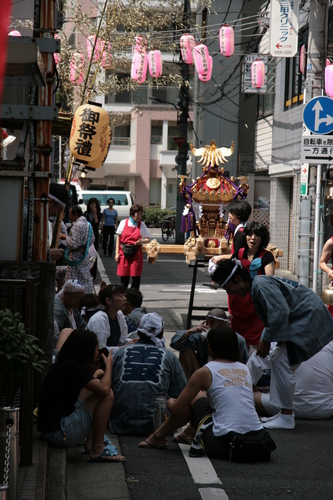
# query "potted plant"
(18, 351)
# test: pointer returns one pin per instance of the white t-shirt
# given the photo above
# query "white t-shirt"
(231, 396)
(99, 323)
(143, 228)
(314, 386)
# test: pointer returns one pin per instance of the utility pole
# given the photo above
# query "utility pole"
(317, 50)
(183, 105)
(44, 27)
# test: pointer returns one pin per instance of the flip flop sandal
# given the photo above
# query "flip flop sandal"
(106, 453)
(107, 443)
(180, 440)
(152, 446)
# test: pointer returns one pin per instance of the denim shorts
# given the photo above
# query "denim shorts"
(74, 428)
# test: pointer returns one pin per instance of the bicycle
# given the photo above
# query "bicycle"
(168, 228)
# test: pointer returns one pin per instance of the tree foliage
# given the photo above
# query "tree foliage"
(118, 23)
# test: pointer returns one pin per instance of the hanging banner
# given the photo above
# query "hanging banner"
(283, 28)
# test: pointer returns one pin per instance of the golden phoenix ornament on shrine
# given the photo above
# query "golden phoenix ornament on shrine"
(211, 155)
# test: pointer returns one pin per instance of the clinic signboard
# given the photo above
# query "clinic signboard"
(283, 27)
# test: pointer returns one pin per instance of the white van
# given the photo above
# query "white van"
(123, 200)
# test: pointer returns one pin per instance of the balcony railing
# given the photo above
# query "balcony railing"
(142, 94)
(120, 141)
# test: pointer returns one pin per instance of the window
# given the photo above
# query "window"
(294, 79)
(120, 199)
(140, 94)
(156, 133)
(265, 105)
(121, 135)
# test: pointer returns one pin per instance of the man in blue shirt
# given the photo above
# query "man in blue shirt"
(140, 372)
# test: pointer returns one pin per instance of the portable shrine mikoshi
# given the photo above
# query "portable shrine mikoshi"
(206, 201)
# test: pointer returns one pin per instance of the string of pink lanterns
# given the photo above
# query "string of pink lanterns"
(190, 52)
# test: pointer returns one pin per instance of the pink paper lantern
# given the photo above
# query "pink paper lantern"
(201, 59)
(155, 63)
(302, 59)
(76, 68)
(14, 33)
(227, 40)
(207, 76)
(258, 74)
(139, 60)
(139, 44)
(90, 45)
(187, 44)
(329, 80)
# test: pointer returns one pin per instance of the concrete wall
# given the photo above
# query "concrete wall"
(263, 143)
(280, 195)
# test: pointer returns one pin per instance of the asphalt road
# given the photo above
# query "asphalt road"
(300, 468)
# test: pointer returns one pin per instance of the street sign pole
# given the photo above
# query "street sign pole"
(181, 158)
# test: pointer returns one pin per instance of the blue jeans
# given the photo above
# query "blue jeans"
(74, 428)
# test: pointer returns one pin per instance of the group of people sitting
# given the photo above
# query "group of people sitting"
(111, 363)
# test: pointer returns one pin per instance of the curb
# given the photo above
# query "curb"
(32, 478)
(56, 474)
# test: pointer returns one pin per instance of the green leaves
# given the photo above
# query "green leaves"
(18, 349)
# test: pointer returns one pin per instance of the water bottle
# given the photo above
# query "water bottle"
(204, 333)
(160, 413)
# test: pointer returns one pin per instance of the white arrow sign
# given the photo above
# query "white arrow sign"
(317, 108)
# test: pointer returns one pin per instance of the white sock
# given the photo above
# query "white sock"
(281, 422)
(269, 419)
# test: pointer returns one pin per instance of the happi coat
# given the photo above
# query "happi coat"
(292, 313)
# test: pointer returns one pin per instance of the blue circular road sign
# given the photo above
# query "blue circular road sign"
(318, 115)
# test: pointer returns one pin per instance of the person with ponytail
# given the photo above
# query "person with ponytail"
(110, 324)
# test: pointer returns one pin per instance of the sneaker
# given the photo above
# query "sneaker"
(281, 422)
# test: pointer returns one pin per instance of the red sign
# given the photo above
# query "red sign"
(179, 141)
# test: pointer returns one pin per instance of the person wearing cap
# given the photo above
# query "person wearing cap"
(293, 316)
(193, 346)
(66, 303)
(139, 373)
